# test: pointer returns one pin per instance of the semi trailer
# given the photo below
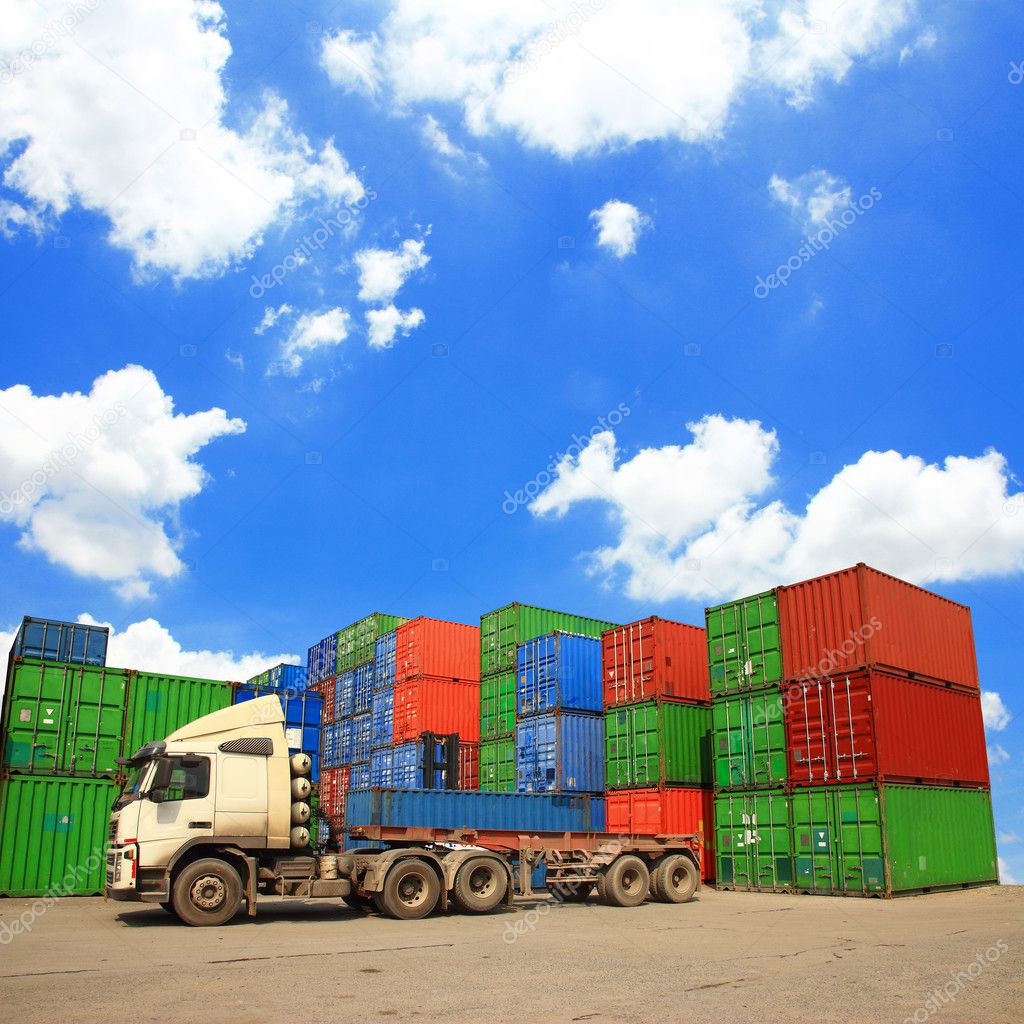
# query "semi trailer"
(215, 816)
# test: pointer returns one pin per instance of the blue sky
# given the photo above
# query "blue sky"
(560, 218)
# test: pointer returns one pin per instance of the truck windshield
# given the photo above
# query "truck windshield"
(133, 786)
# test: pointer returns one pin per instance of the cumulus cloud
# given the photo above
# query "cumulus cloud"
(619, 225)
(310, 333)
(384, 324)
(996, 713)
(575, 76)
(271, 316)
(702, 519)
(998, 754)
(95, 481)
(126, 116)
(1006, 876)
(814, 198)
(453, 156)
(382, 272)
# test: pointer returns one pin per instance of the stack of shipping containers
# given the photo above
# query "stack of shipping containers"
(849, 741)
(657, 731)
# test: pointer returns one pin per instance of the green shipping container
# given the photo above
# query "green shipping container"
(498, 766)
(497, 705)
(748, 740)
(655, 743)
(744, 651)
(157, 705)
(357, 643)
(502, 630)
(860, 840)
(754, 841)
(64, 719)
(54, 835)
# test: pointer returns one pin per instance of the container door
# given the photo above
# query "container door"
(743, 644)
(861, 857)
(95, 732)
(817, 840)
(35, 716)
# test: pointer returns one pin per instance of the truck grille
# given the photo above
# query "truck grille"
(112, 831)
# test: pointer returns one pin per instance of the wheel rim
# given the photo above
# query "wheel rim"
(631, 881)
(679, 879)
(482, 882)
(412, 890)
(208, 892)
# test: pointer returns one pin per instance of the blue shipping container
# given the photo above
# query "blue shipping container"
(53, 640)
(345, 742)
(383, 719)
(321, 659)
(561, 752)
(359, 775)
(559, 671)
(410, 770)
(362, 686)
(384, 661)
(381, 763)
(466, 808)
(330, 746)
(344, 694)
(288, 677)
(362, 732)
(301, 719)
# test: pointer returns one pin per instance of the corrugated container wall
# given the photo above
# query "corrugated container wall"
(858, 617)
(362, 688)
(498, 705)
(159, 704)
(383, 713)
(654, 658)
(53, 640)
(498, 766)
(754, 841)
(469, 765)
(878, 725)
(655, 743)
(333, 790)
(560, 752)
(428, 704)
(382, 764)
(384, 661)
(322, 659)
(362, 738)
(421, 765)
(327, 691)
(558, 672)
(359, 775)
(748, 739)
(743, 644)
(282, 677)
(433, 647)
(357, 644)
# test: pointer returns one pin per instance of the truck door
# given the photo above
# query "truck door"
(180, 803)
(242, 801)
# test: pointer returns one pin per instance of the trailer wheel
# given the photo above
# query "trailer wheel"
(625, 882)
(207, 893)
(480, 885)
(674, 879)
(572, 892)
(411, 890)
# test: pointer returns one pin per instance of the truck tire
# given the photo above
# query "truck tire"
(480, 885)
(169, 907)
(674, 879)
(625, 882)
(207, 892)
(411, 890)
(364, 904)
(572, 892)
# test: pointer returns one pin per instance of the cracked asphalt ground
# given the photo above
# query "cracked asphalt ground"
(726, 957)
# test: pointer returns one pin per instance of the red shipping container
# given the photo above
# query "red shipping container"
(877, 725)
(654, 658)
(858, 617)
(430, 704)
(469, 765)
(433, 647)
(326, 690)
(333, 788)
(666, 810)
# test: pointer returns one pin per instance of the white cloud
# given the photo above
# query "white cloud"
(309, 333)
(997, 715)
(1006, 876)
(575, 76)
(453, 156)
(150, 647)
(998, 754)
(384, 324)
(814, 198)
(351, 62)
(619, 225)
(236, 359)
(382, 272)
(95, 481)
(271, 316)
(703, 520)
(1006, 838)
(127, 116)
(925, 41)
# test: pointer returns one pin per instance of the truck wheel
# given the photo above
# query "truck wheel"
(480, 885)
(572, 892)
(411, 890)
(624, 883)
(674, 879)
(207, 892)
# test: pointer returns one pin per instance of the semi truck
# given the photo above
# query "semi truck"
(215, 816)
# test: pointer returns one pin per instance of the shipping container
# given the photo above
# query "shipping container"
(159, 704)
(331, 747)
(54, 835)
(301, 719)
(748, 739)
(281, 677)
(362, 688)
(458, 809)
(857, 617)
(326, 690)
(383, 712)
(75, 643)
(744, 651)
(357, 644)
(382, 763)
(322, 659)
(433, 647)
(344, 693)
(63, 719)
(345, 741)
(333, 788)
(877, 725)
(384, 661)
(654, 658)
(359, 775)
(656, 743)
(469, 765)
(558, 672)
(498, 766)
(362, 737)
(429, 704)
(863, 840)
(561, 752)
(502, 631)
(754, 841)
(666, 811)
(428, 763)
(498, 705)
